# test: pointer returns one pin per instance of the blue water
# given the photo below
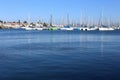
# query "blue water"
(59, 55)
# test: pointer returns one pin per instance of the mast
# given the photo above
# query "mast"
(81, 20)
(102, 17)
(28, 19)
(68, 22)
(51, 20)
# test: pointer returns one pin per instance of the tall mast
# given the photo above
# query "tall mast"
(68, 22)
(81, 20)
(102, 18)
(51, 20)
(29, 19)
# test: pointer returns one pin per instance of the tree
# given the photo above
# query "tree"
(32, 24)
(14, 22)
(25, 22)
(18, 22)
(1, 21)
(45, 24)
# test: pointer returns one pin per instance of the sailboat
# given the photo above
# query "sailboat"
(28, 27)
(103, 27)
(52, 27)
(67, 27)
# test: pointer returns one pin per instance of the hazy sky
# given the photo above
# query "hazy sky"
(20, 9)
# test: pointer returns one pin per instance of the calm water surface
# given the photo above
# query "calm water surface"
(59, 55)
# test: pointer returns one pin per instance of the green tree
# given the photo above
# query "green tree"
(25, 22)
(32, 24)
(18, 22)
(1, 21)
(45, 24)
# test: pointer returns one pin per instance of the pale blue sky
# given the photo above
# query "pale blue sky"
(20, 9)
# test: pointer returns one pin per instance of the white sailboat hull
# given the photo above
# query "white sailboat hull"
(28, 28)
(38, 28)
(88, 29)
(68, 29)
(106, 29)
